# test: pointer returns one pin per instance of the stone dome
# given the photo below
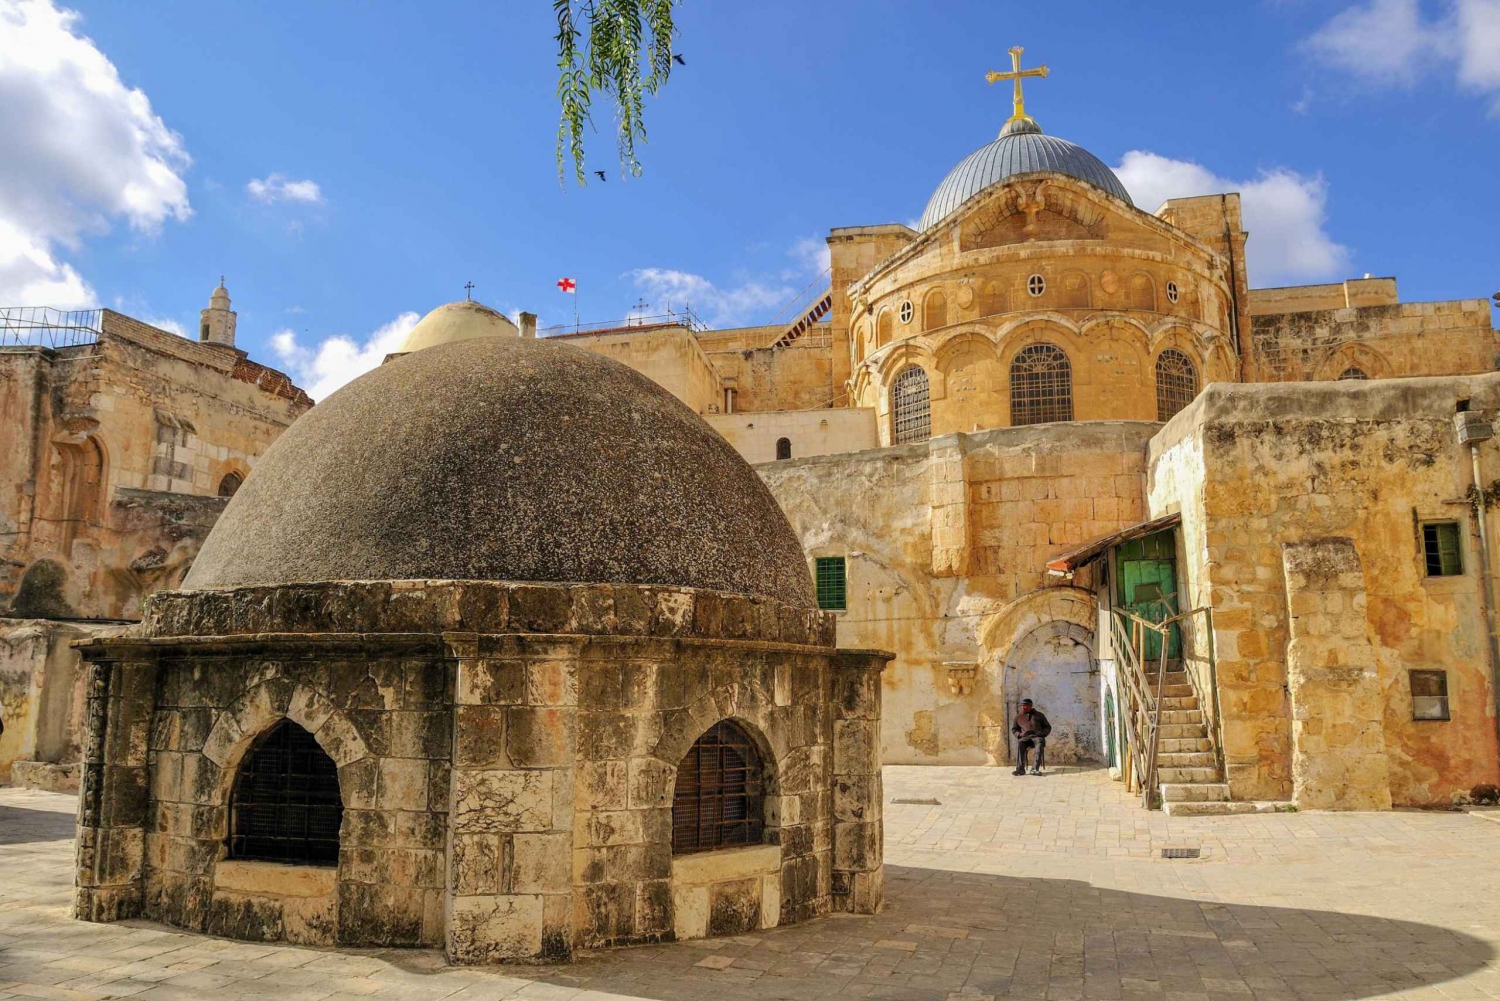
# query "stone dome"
(502, 458)
(1022, 148)
(458, 321)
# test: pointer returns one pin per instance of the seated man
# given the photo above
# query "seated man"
(1031, 729)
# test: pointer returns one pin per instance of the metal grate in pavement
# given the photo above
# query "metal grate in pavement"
(916, 802)
(1181, 852)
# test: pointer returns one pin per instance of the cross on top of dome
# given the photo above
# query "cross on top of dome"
(1019, 121)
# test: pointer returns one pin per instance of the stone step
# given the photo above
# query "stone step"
(1194, 792)
(1174, 745)
(1171, 731)
(1176, 691)
(1181, 715)
(1185, 759)
(1222, 808)
(1173, 774)
(1181, 702)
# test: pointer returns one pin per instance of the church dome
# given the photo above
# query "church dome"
(1021, 149)
(502, 458)
(458, 321)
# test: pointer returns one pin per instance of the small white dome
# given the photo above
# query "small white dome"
(464, 320)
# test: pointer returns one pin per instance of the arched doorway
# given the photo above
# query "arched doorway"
(1054, 666)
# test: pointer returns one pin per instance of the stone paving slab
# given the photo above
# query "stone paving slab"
(1047, 889)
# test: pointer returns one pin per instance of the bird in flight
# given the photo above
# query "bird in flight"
(679, 60)
(600, 175)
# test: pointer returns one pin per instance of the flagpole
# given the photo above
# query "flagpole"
(575, 307)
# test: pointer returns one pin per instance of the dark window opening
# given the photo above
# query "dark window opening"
(1353, 374)
(229, 484)
(783, 448)
(719, 798)
(833, 584)
(1440, 549)
(1429, 694)
(285, 806)
(1041, 386)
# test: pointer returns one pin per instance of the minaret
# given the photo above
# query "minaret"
(217, 321)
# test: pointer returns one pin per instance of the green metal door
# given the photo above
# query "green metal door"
(1148, 587)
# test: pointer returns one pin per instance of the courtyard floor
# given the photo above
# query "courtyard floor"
(1041, 888)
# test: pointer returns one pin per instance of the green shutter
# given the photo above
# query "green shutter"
(1440, 549)
(833, 587)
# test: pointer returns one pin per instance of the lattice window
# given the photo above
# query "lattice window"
(783, 448)
(1353, 372)
(1176, 383)
(1036, 285)
(1041, 385)
(911, 409)
(285, 806)
(720, 794)
(1440, 550)
(832, 579)
(906, 311)
(1171, 291)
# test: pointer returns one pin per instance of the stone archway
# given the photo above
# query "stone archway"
(1054, 666)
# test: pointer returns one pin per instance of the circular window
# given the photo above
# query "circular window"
(1036, 285)
(906, 311)
(1171, 291)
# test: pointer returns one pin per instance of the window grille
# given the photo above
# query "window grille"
(1171, 291)
(1176, 383)
(230, 484)
(906, 311)
(719, 797)
(1353, 372)
(833, 583)
(1429, 694)
(911, 411)
(1036, 285)
(1440, 549)
(783, 448)
(285, 806)
(1041, 386)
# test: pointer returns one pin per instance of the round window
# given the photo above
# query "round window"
(1036, 285)
(906, 311)
(1171, 291)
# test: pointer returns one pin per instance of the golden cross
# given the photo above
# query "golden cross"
(1016, 74)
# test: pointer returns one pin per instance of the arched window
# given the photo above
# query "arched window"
(80, 487)
(859, 343)
(229, 484)
(936, 311)
(1142, 292)
(719, 799)
(783, 448)
(992, 299)
(1353, 372)
(911, 411)
(1041, 385)
(883, 327)
(1176, 383)
(285, 806)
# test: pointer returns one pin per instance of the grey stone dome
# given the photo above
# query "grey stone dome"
(1021, 149)
(505, 459)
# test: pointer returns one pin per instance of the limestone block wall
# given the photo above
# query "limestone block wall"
(668, 355)
(1368, 462)
(810, 432)
(798, 376)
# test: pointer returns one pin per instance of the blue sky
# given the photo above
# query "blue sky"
(348, 167)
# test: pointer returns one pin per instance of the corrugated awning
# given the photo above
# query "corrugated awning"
(1071, 560)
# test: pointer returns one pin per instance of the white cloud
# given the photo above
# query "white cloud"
(811, 254)
(81, 150)
(166, 323)
(1392, 43)
(333, 361)
(721, 307)
(276, 187)
(1285, 213)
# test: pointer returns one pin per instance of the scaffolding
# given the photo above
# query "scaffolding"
(44, 326)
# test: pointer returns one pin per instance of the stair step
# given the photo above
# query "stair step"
(1172, 745)
(1180, 716)
(1167, 774)
(1221, 808)
(1175, 691)
(1171, 731)
(1194, 792)
(1180, 702)
(1185, 759)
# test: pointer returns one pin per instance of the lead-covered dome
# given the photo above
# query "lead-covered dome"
(1022, 148)
(505, 459)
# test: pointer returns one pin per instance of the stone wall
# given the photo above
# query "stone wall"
(798, 376)
(668, 355)
(827, 431)
(1256, 468)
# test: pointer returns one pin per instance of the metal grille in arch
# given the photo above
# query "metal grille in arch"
(911, 407)
(1176, 383)
(1041, 385)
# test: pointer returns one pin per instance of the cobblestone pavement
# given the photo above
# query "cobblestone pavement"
(1038, 888)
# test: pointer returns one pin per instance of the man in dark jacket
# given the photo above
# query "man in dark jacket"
(1031, 729)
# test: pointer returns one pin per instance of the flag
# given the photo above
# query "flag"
(567, 285)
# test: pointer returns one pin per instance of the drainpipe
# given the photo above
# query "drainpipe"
(1473, 429)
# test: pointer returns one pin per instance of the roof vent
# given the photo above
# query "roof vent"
(1472, 427)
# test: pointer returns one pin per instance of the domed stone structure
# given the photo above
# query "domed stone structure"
(458, 321)
(499, 648)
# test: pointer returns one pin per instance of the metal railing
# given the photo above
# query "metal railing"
(684, 317)
(47, 327)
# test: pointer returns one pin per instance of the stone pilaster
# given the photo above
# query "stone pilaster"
(858, 836)
(511, 805)
(114, 794)
(949, 493)
(1338, 713)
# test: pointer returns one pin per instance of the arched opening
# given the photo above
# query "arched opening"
(935, 311)
(1353, 372)
(79, 470)
(992, 299)
(1075, 290)
(883, 327)
(1053, 665)
(911, 406)
(783, 448)
(229, 484)
(1041, 385)
(859, 343)
(1176, 383)
(1142, 292)
(285, 806)
(719, 798)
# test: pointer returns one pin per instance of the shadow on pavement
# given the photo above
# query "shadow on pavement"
(20, 826)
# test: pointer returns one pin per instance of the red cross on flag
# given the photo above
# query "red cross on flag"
(567, 285)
